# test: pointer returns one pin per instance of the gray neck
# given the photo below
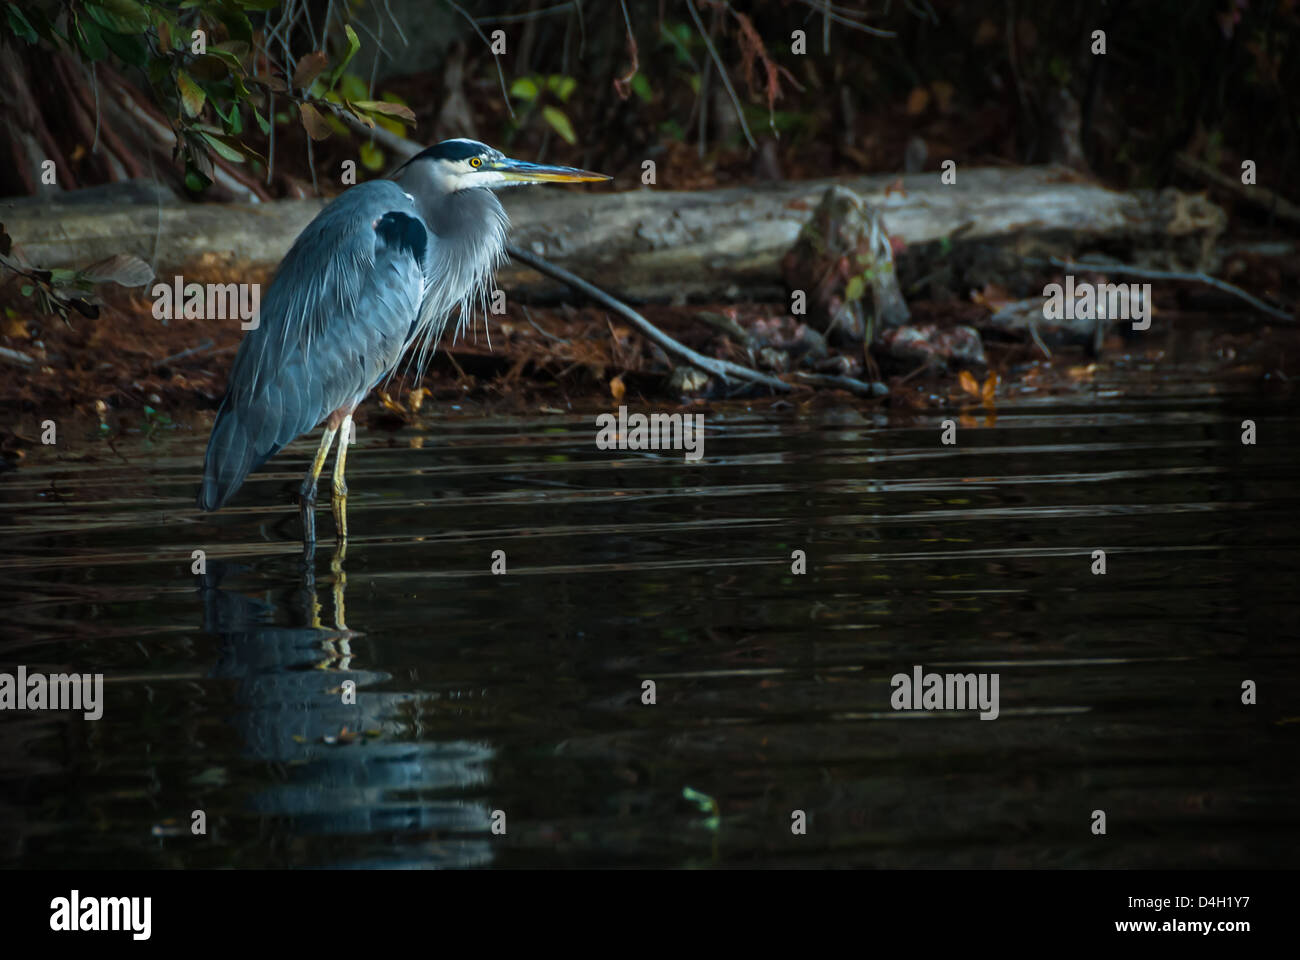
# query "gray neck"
(459, 215)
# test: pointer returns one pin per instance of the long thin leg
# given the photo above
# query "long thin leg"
(340, 486)
(307, 492)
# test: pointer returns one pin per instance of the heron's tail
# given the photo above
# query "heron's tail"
(231, 456)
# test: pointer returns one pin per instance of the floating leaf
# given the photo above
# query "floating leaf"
(966, 380)
(560, 123)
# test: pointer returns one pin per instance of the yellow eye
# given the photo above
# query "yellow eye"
(475, 162)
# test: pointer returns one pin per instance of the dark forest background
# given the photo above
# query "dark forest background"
(113, 90)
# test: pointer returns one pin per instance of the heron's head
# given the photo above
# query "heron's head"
(467, 164)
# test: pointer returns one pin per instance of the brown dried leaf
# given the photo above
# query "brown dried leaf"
(309, 68)
(398, 110)
(313, 122)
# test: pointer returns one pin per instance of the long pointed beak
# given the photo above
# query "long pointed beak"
(525, 172)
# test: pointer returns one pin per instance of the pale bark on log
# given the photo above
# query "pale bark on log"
(656, 244)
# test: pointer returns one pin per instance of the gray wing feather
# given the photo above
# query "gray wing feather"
(332, 323)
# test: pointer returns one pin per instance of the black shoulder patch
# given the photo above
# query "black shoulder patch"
(401, 231)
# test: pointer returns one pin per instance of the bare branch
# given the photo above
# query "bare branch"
(726, 81)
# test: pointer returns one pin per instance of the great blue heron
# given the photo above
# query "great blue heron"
(379, 270)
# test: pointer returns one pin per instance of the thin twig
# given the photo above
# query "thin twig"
(505, 95)
(726, 80)
(861, 387)
(529, 317)
(400, 32)
(530, 15)
(720, 368)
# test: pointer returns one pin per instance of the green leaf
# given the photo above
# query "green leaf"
(856, 288)
(352, 87)
(20, 26)
(27, 289)
(91, 41)
(354, 44)
(386, 108)
(192, 95)
(672, 130)
(262, 123)
(236, 23)
(222, 149)
(524, 89)
(561, 86)
(372, 158)
(560, 123)
(119, 16)
(641, 87)
(227, 57)
(129, 49)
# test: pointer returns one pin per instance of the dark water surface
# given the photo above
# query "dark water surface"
(522, 693)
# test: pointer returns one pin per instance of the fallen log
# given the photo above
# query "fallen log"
(658, 244)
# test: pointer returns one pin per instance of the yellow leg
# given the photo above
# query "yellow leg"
(307, 493)
(340, 487)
